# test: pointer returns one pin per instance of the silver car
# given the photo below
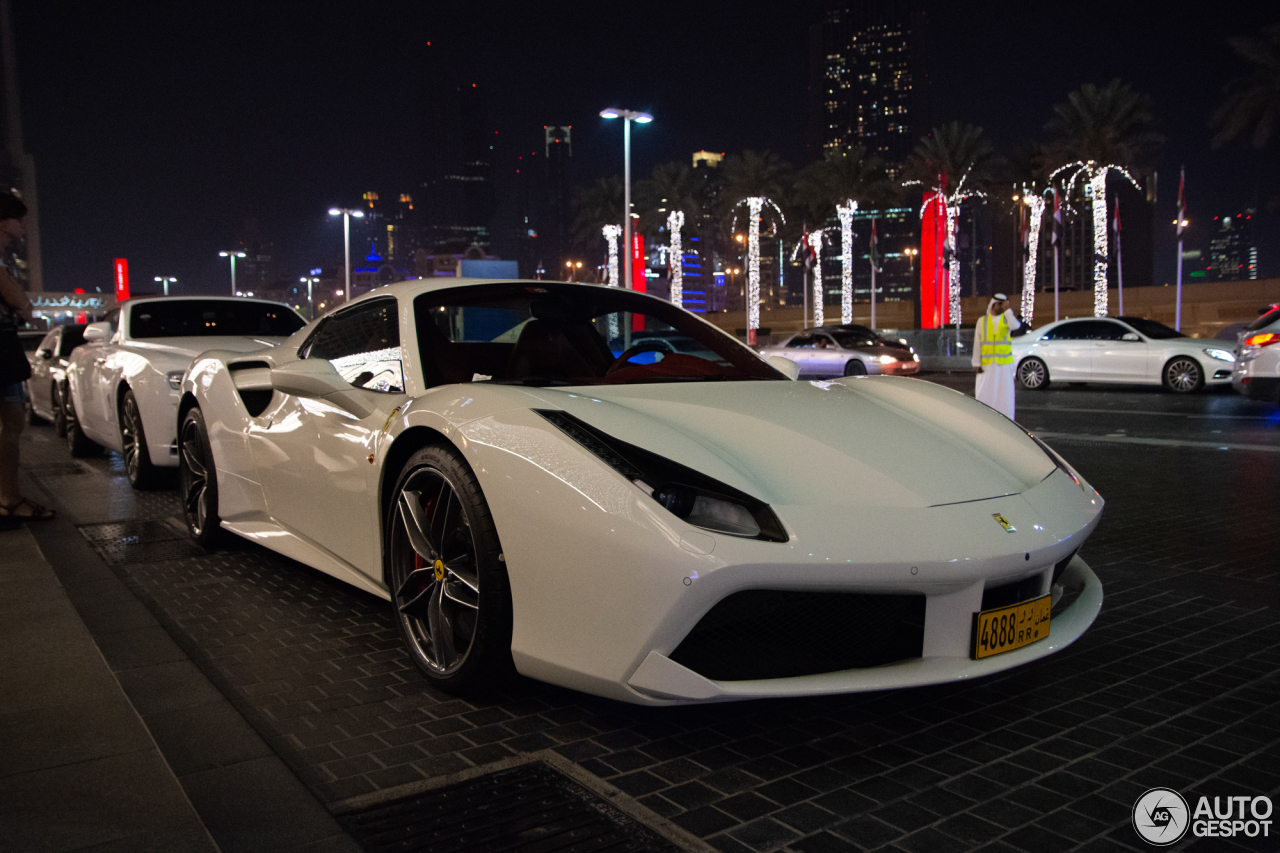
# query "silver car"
(1257, 368)
(847, 350)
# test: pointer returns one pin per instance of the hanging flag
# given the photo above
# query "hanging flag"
(875, 249)
(1182, 200)
(1115, 223)
(1057, 220)
(807, 249)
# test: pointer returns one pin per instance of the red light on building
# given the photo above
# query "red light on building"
(935, 292)
(122, 279)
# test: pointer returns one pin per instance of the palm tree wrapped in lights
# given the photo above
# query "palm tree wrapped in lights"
(611, 235)
(1101, 129)
(1035, 202)
(675, 259)
(951, 204)
(755, 206)
(754, 179)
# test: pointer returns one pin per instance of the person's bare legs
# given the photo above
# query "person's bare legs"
(12, 418)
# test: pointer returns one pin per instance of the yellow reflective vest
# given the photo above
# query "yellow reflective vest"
(997, 344)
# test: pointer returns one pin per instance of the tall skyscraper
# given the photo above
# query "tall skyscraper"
(17, 168)
(459, 202)
(868, 81)
(556, 203)
(1233, 249)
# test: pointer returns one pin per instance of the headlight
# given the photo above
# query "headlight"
(687, 494)
(886, 359)
(1219, 354)
(1061, 463)
(175, 378)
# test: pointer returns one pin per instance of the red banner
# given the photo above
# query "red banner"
(638, 281)
(122, 279)
(935, 301)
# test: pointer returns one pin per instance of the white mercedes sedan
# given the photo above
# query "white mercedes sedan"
(533, 476)
(1120, 350)
(123, 384)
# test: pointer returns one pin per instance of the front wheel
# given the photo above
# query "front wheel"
(1033, 374)
(855, 368)
(449, 590)
(198, 479)
(1182, 375)
(133, 443)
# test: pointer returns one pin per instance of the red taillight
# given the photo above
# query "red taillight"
(1262, 339)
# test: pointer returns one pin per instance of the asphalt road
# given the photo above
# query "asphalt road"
(1177, 684)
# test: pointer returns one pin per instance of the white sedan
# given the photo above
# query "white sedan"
(123, 384)
(1119, 349)
(531, 476)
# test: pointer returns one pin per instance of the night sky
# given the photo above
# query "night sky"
(160, 131)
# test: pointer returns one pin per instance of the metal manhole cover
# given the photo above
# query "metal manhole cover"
(141, 541)
(527, 808)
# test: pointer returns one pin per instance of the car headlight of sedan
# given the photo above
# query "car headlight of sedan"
(690, 495)
(175, 378)
(1220, 354)
(885, 359)
(1061, 463)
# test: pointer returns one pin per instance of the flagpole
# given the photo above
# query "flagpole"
(1182, 221)
(1177, 312)
(873, 295)
(1056, 251)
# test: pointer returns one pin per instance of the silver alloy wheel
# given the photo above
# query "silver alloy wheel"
(195, 477)
(1182, 375)
(1032, 373)
(437, 584)
(130, 433)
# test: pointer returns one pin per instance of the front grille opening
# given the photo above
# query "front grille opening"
(1011, 593)
(762, 633)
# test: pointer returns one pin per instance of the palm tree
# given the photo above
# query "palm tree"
(839, 176)
(756, 180)
(953, 153)
(1252, 108)
(597, 206)
(1100, 130)
(670, 186)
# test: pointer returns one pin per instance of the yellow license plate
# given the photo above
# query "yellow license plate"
(1003, 629)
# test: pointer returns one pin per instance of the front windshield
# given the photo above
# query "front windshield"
(181, 318)
(856, 336)
(1152, 329)
(1264, 320)
(564, 334)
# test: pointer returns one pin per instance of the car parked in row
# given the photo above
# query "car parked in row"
(846, 350)
(47, 387)
(123, 385)
(1119, 349)
(1257, 372)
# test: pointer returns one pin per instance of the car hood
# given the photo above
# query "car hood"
(193, 346)
(870, 442)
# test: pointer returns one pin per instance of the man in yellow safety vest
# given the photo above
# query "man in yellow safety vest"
(993, 356)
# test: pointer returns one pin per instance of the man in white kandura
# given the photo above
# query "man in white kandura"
(993, 356)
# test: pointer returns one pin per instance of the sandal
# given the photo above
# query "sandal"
(34, 512)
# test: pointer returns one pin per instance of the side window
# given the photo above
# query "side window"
(1068, 332)
(800, 341)
(1105, 331)
(363, 345)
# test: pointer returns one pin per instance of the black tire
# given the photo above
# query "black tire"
(28, 409)
(1182, 375)
(1033, 374)
(79, 445)
(198, 478)
(444, 569)
(59, 410)
(133, 445)
(853, 367)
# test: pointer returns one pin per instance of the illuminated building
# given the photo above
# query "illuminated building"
(1233, 249)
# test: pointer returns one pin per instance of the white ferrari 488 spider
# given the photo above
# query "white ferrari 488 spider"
(533, 474)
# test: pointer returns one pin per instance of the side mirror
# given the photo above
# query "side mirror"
(45, 354)
(785, 366)
(310, 377)
(99, 331)
(1130, 336)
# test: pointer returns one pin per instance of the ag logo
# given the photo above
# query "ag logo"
(1004, 522)
(1160, 816)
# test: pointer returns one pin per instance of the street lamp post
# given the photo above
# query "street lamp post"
(628, 116)
(166, 280)
(310, 280)
(232, 256)
(571, 266)
(347, 213)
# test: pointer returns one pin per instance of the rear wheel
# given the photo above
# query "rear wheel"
(449, 590)
(1182, 375)
(78, 444)
(59, 411)
(198, 479)
(133, 444)
(855, 368)
(1033, 374)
